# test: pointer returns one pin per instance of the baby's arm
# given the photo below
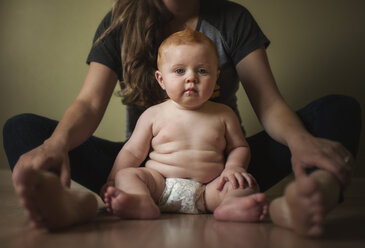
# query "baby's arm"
(237, 155)
(135, 150)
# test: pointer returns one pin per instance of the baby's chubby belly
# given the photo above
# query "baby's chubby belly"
(201, 166)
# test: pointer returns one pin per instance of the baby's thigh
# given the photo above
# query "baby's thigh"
(141, 177)
(155, 182)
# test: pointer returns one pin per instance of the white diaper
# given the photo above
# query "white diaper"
(182, 196)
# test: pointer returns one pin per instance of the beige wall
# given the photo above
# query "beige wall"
(317, 49)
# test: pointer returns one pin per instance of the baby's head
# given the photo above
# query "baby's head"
(186, 37)
(188, 68)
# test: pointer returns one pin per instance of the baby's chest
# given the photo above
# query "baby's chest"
(204, 130)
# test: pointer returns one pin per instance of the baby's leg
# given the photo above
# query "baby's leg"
(244, 205)
(135, 194)
(48, 203)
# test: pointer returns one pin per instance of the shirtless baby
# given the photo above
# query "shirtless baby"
(198, 156)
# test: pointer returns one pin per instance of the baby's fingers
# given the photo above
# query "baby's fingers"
(232, 178)
(241, 180)
(251, 181)
(221, 183)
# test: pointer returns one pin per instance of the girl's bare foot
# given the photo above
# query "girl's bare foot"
(301, 208)
(249, 208)
(130, 206)
(48, 203)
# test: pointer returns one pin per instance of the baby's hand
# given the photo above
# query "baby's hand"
(238, 177)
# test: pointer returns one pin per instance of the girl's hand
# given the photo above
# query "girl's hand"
(49, 157)
(238, 177)
(309, 152)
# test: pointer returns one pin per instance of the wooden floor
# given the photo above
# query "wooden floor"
(345, 228)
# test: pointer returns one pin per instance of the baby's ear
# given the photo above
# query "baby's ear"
(159, 79)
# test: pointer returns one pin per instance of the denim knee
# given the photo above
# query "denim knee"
(17, 124)
(24, 132)
(348, 115)
(344, 103)
(14, 123)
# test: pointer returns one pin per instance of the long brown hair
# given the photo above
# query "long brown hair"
(142, 24)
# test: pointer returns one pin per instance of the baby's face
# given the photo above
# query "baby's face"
(188, 73)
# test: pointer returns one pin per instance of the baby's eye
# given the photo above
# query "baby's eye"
(202, 71)
(179, 71)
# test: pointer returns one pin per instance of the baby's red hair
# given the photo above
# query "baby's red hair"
(185, 37)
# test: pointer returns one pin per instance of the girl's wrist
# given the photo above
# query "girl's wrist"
(58, 143)
(297, 138)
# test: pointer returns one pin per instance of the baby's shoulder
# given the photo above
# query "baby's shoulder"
(155, 111)
(151, 111)
(219, 108)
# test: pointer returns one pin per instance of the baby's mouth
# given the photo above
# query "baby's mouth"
(191, 91)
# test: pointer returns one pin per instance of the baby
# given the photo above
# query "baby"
(198, 156)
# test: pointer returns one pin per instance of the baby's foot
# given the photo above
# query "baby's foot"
(48, 203)
(301, 208)
(130, 206)
(249, 208)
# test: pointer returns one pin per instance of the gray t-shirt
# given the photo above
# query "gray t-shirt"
(229, 25)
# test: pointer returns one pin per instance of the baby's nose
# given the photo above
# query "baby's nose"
(192, 78)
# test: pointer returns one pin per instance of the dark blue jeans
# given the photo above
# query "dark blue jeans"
(334, 117)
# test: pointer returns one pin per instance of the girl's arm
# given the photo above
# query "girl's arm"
(77, 124)
(85, 113)
(283, 125)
